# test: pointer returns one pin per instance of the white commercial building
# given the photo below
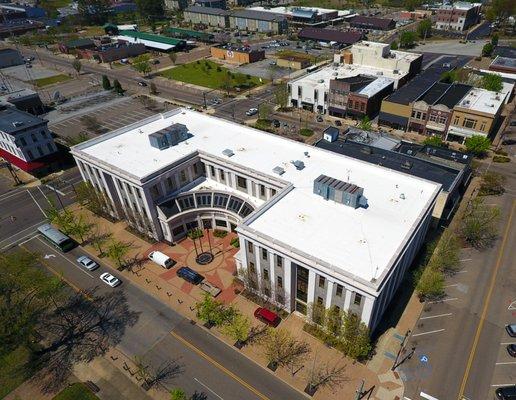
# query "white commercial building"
(365, 58)
(314, 226)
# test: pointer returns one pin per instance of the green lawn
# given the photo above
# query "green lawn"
(209, 74)
(14, 370)
(51, 80)
(77, 391)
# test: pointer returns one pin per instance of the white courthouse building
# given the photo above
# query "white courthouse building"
(314, 226)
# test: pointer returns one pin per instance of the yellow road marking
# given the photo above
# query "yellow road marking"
(486, 305)
(59, 275)
(219, 366)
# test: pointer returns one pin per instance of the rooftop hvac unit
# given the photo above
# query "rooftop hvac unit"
(278, 170)
(338, 191)
(298, 164)
(406, 165)
(168, 137)
(228, 152)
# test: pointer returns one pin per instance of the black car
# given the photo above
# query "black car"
(506, 393)
(338, 123)
(276, 123)
(142, 83)
(511, 349)
(511, 330)
(190, 275)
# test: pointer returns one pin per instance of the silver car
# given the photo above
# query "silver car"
(110, 280)
(87, 263)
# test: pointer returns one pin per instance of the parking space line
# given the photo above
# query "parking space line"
(507, 343)
(436, 316)
(503, 384)
(43, 212)
(428, 333)
(465, 259)
(506, 363)
(440, 301)
(455, 284)
(207, 387)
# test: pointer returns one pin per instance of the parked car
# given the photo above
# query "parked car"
(190, 275)
(87, 263)
(276, 123)
(251, 112)
(154, 61)
(28, 65)
(110, 280)
(511, 330)
(209, 288)
(319, 118)
(511, 349)
(506, 393)
(161, 259)
(267, 316)
(338, 123)
(142, 83)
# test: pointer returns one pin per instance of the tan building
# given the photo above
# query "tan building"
(238, 55)
(207, 15)
(476, 114)
(294, 61)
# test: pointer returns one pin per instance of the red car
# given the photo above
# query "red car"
(267, 316)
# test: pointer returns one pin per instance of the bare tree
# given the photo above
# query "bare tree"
(323, 375)
(158, 376)
(281, 349)
(99, 239)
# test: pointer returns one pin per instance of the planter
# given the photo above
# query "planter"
(273, 366)
(208, 325)
(239, 344)
(310, 390)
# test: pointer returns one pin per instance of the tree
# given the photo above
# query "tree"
(26, 294)
(494, 39)
(407, 39)
(94, 12)
(477, 145)
(492, 82)
(355, 336)
(158, 376)
(264, 111)
(173, 57)
(317, 313)
(238, 329)
(424, 28)
(93, 199)
(394, 45)
(334, 321)
(411, 5)
(449, 76)
(436, 141)
(150, 9)
(226, 82)
(214, 312)
(323, 375)
(492, 184)
(117, 87)
(365, 124)
(99, 239)
(281, 349)
(479, 223)
(429, 283)
(487, 50)
(77, 66)
(500, 10)
(106, 84)
(177, 394)
(117, 251)
(64, 219)
(281, 95)
(446, 254)
(142, 64)
(80, 228)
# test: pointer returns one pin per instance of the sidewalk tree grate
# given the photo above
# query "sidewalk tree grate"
(204, 258)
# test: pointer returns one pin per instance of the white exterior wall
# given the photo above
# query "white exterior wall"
(29, 145)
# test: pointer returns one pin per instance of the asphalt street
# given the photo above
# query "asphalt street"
(460, 342)
(160, 334)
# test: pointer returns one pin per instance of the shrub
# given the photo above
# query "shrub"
(219, 233)
(501, 159)
(492, 184)
(429, 283)
(195, 233)
(219, 69)
(307, 132)
(477, 145)
(434, 141)
(235, 242)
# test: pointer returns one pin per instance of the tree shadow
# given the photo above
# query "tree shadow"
(135, 264)
(199, 396)
(77, 330)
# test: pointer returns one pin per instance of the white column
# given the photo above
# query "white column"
(367, 310)
(329, 293)
(287, 283)
(311, 286)
(347, 299)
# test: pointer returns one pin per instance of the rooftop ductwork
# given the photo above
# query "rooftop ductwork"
(338, 191)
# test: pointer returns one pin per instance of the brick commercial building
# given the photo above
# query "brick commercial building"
(314, 226)
(372, 23)
(113, 51)
(458, 17)
(237, 54)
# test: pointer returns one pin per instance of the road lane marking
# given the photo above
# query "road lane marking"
(507, 343)
(506, 363)
(428, 333)
(461, 272)
(486, 303)
(219, 366)
(55, 190)
(207, 387)
(440, 301)
(465, 259)
(23, 230)
(40, 209)
(11, 195)
(503, 384)
(436, 316)
(455, 284)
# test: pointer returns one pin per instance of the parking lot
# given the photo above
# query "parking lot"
(265, 69)
(109, 117)
(22, 73)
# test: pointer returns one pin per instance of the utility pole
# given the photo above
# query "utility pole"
(407, 334)
(360, 390)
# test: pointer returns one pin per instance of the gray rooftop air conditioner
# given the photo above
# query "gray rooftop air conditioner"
(228, 152)
(298, 164)
(168, 137)
(278, 170)
(338, 191)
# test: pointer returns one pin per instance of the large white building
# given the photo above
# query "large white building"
(314, 226)
(365, 58)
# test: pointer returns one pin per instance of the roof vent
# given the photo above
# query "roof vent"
(366, 150)
(307, 154)
(278, 170)
(298, 164)
(321, 81)
(402, 196)
(338, 191)
(406, 165)
(228, 152)
(17, 124)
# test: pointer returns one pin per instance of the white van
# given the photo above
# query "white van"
(161, 259)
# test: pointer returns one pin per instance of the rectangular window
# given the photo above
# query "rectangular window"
(250, 247)
(432, 118)
(195, 169)
(31, 156)
(23, 141)
(339, 290)
(49, 147)
(182, 176)
(34, 138)
(279, 262)
(322, 282)
(319, 300)
(212, 171)
(301, 287)
(266, 274)
(358, 299)
(483, 126)
(469, 123)
(241, 183)
(262, 190)
(252, 268)
(456, 120)
(279, 282)
(362, 106)
(264, 254)
(221, 223)
(273, 192)
(222, 175)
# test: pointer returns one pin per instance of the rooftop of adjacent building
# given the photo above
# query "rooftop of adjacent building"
(292, 10)
(237, 48)
(482, 100)
(13, 120)
(505, 62)
(376, 86)
(397, 54)
(296, 219)
(460, 5)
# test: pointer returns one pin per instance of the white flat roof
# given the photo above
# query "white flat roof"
(375, 86)
(363, 242)
(146, 43)
(289, 10)
(482, 100)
